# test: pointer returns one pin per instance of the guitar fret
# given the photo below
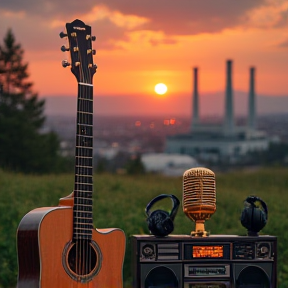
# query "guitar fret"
(84, 199)
(84, 191)
(85, 99)
(84, 221)
(89, 125)
(84, 175)
(78, 217)
(80, 183)
(83, 166)
(84, 172)
(88, 148)
(86, 136)
(84, 205)
(85, 158)
(84, 112)
(85, 84)
(82, 226)
(81, 211)
(88, 163)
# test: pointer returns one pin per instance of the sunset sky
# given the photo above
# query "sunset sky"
(142, 43)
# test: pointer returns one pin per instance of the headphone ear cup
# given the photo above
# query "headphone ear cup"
(259, 219)
(160, 223)
(245, 218)
(253, 219)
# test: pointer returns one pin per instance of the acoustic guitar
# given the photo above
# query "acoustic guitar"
(58, 246)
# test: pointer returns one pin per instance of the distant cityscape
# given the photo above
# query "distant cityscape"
(134, 135)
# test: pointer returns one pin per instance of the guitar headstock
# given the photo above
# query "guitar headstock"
(81, 52)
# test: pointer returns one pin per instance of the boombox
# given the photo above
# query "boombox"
(217, 261)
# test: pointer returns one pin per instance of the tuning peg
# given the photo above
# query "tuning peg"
(93, 66)
(65, 63)
(91, 51)
(93, 38)
(62, 35)
(64, 48)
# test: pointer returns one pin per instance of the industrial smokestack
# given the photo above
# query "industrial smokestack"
(229, 114)
(251, 102)
(195, 114)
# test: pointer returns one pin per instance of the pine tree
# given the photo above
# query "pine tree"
(23, 147)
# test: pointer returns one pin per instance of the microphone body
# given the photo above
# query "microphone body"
(199, 197)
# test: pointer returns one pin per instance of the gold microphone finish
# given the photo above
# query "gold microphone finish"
(199, 197)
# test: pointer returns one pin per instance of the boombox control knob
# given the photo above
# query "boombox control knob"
(148, 251)
(263, 250)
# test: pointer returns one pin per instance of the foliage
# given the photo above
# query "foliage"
(135, 166)
(120, 200)
(23, 146)
(277, 154)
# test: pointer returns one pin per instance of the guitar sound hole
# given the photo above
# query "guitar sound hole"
(82, 260)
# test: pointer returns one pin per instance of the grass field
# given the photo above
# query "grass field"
(120, 200)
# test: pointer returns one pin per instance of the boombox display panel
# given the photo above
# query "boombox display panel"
(217, 261)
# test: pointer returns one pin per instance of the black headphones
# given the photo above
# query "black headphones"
(160, 223)
(254, 218)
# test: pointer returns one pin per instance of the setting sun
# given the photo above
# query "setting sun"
(160, 88)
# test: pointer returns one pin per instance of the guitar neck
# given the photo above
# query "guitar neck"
(83, 186)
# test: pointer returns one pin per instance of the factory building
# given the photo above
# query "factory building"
(226, 142)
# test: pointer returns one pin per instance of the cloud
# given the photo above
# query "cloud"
(118, 21)
(187, 17)
(182, 17)
(272, 15)
(283, 44)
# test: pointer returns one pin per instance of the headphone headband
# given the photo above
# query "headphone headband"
(253, 199)
(175, 202)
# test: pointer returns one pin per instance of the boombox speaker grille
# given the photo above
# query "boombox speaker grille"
(253, 276)
(161, 276)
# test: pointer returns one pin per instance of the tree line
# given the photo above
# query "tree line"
(24, 147)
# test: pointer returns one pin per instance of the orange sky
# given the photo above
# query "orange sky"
(142, 43)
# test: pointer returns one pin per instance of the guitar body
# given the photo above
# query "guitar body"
(43, 235)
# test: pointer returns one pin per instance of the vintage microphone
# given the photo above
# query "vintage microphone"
(199, 197)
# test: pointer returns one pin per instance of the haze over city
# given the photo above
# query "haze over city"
(143, 43)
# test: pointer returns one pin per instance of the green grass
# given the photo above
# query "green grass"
(120, 200)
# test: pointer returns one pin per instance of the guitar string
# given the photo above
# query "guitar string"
(90, 142)
(86, 104)
(77, 178)
(79, 160)
(83, 143)
(83, 246)
(87, 88)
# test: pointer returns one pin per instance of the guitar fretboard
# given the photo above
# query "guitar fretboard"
(83, 187)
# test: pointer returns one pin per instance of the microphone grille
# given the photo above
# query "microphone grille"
(199, 188)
